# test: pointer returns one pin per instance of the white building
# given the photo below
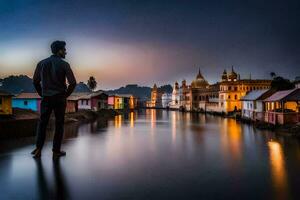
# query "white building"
(252, 104)
(175, 103)
(166, 99)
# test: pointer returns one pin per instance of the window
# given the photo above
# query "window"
(228, 96)
(235, 96)
(25, 103)
(229, 87)
(86, 102)
(195, 98)
(0, 103)
(235, 88)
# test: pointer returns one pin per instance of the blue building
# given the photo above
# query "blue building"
(29, 101)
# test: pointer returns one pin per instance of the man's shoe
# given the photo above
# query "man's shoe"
(37, 153)
(33, 152)
(57, 154)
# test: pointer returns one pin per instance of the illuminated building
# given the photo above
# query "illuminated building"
(253, 105)
(5, 103)
(283, 107)
(156, 101)
(175, 97)
(185, 96)
(202, 93)
(232, 89)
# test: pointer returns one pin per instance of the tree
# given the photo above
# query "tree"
(92, 83)
(279, 83)
(272, 74)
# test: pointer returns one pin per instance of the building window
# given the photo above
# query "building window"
(86, 102)
(235, 97)
(195, 98)
(235, 88)
(228, 96)
(25, 103)
(229, 87)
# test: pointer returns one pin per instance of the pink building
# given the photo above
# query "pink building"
(93, 101)
(283, 107)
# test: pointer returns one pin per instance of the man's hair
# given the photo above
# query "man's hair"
(57, 45)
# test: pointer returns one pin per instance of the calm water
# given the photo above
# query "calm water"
(156, 154)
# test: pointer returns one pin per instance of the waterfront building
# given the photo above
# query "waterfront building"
(93, 101)
(5, 103)
(283, 107)
(175, 103)
(184, 96)
(129, 101)
(118, 102)
(72, 103)
(155, 101)
(31, 101)
(232, 89)
(253, 105)
(199, 87)
(166, 99)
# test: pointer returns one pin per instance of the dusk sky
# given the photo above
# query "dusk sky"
(143, 42)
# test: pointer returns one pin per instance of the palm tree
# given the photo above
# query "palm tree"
(92, 83)
(272, 74)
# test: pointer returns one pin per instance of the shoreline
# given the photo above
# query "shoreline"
(24, 122)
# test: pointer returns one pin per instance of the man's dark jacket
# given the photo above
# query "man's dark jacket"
(50, 75)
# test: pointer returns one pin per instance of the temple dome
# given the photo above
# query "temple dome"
(232, 76)
(199, 82)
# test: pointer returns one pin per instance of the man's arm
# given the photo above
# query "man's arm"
(71, 80)
(37, 79)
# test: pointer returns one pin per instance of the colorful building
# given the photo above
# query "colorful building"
(5, 103)
(283, 107)
(253, 105)
(31, 101)
(93, 101)
(232, 89)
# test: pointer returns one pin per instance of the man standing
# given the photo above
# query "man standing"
(49, 80)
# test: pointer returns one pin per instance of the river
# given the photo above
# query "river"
(155, 154)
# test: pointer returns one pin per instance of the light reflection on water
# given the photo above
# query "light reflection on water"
(156, 154)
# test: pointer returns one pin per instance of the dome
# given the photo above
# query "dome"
(224, 76)
(199, 82)
(232, 76)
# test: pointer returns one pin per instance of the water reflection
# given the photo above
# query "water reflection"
(231, 139)
(47, 190)
(278, 171)
(164, 155)
(118, 121)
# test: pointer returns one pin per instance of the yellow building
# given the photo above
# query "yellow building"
(5, 103)
(156, 101)
(232, 89)
(118, 102)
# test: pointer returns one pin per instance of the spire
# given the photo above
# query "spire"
(232, 68)
(199, 76)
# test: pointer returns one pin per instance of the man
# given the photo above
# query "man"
(49, 80)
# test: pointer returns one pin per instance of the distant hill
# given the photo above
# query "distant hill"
(22, 83)
(17, 84)
(142, 92)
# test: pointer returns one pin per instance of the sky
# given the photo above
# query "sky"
(146, 42)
